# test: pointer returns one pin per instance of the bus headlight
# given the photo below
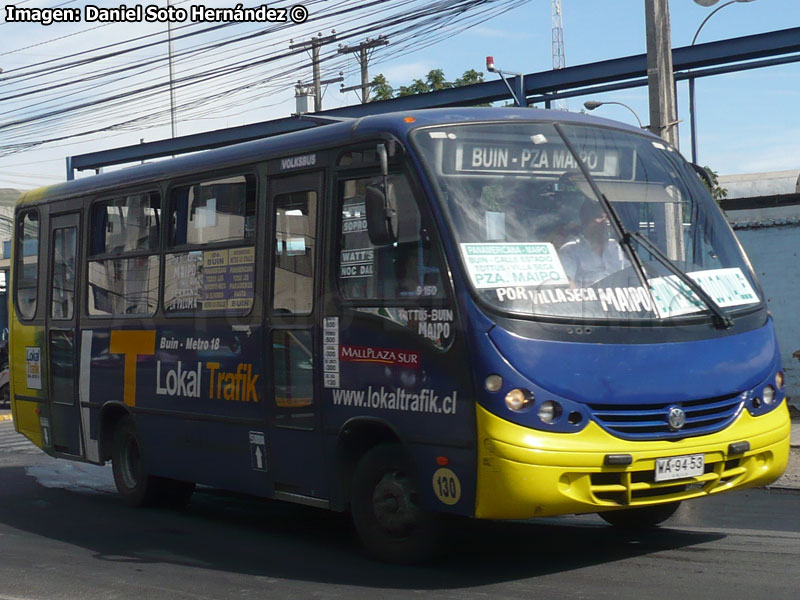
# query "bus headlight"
(493, 383)
(517, 399)
(768, 395)
(779, 380)
(549, 411)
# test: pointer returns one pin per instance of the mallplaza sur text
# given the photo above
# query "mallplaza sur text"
(150, 13)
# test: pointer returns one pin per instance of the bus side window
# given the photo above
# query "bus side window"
(26, 269)
(123, 259)
(295, 227)
(408, 268)
(65, 245)
(201, 278)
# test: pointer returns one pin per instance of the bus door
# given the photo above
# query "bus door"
(62, 335)
(294, 430)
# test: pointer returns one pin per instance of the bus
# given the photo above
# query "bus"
(478, 312)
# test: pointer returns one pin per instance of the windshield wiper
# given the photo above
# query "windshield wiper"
(721, 320)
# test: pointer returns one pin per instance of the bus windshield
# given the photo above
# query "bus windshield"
(535, 239)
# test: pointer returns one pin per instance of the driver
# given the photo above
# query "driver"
(595, 254)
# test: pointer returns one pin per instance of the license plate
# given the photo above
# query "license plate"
(680, 467)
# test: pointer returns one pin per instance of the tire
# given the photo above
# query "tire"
(643, 517)
(385, 509)
(134, 484)
(5, 395)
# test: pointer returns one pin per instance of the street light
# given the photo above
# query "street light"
(592, 104)
(692, 123)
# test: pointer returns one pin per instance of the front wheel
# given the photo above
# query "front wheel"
(642, 517)
(386, 511)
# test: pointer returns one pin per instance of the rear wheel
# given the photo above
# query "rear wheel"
(386, 511)
(134, 484)
(641, 517)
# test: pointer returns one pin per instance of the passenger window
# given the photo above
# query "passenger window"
(126, 224)
(408, 268)
(26, 269)
(123, 264)
(210, 280)
(295, 227)
(223, 210)
(64, 249)
(293, 372)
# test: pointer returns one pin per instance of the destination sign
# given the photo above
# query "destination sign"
(532, 158)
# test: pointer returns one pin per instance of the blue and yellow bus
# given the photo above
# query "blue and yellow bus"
(492, 313)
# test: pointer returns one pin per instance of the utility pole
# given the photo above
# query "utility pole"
(559, 58)
(660, 79)
(661, 89)
(172, 113)
(363, 60)
(314, 43)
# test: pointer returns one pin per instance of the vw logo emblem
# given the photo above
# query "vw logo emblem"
(676, 418)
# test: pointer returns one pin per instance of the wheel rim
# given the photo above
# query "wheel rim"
(130, 466)
(393, 504)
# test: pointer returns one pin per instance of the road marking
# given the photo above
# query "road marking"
(13, 442)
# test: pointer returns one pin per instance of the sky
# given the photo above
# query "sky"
(747, 122)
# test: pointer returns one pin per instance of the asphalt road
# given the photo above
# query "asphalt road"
(75, 539)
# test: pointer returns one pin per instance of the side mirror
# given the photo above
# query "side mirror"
(381, 206)
(703, 174)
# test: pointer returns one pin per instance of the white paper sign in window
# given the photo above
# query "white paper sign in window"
(727, 287)
(504, 265)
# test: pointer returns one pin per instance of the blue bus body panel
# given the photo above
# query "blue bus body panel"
(391, 375)
(643, 373)
(199, 393)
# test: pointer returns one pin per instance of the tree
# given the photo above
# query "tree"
(717, 192)
(381, 90)
(435, 80)
(468, 78)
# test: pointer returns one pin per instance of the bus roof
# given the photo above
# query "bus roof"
(315, 136)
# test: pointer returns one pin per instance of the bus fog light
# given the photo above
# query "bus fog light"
(549, 411)
(756, 402)
(518, 399)
(769, 395)
(493, 383)
(779, 380)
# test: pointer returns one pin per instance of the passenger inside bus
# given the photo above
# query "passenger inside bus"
(595, 254)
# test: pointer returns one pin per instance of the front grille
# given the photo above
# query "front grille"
(650, 421)
(634, 488)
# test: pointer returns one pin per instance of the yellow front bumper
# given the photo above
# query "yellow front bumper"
(524, 473)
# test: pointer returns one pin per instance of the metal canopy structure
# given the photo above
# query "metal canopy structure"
(703, 60)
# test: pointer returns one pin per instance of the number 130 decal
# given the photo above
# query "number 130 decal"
(446, 486)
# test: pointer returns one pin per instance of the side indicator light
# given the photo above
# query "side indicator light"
(738, 447)
(616, 460)
(442, 461)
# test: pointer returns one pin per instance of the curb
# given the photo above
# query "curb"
(6, 418)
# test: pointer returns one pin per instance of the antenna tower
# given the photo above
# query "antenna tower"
(559, 60)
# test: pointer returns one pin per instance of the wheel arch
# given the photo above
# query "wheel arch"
(110, 415)
(355, 438)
